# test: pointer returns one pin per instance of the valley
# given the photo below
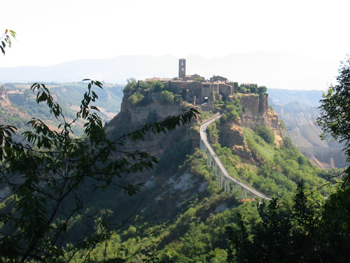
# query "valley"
(181, 211)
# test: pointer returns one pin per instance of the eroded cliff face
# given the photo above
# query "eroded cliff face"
(4, 100)
(132, 118)
(255, 112)
(232, 136)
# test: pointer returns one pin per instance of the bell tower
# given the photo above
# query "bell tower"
(182, 68)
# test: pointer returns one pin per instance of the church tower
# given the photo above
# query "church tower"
(182, 69)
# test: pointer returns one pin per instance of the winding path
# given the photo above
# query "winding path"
(226, 181)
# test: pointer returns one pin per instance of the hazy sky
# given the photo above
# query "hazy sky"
(51, 32)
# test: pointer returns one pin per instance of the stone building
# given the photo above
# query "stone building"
(197, 89)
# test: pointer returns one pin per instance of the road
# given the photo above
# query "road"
(204, 138)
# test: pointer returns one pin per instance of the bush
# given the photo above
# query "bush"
(135, 98)
(167, 97)
(265, 133)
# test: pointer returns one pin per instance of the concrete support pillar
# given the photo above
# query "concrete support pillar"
(219, 178)
(233, 187)
(207, 159)
(241, 192)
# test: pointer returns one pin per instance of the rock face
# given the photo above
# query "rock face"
(4, 100)
(255, 112)
(232, 136)
(132, 118)
(300, 118)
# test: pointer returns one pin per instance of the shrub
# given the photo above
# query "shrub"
(167, 97)
(265, 133)
(135, 98)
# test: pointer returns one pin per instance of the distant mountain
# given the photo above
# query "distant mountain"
(271, 69)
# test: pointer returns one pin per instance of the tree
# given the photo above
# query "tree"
(335, 108)
(262, 89)
(335, 121)
(48, 172)
(286, 233)
(265, 133)
(305, 231)
(167, 97)
(6, 39)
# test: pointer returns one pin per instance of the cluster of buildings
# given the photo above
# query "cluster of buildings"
(198, 89)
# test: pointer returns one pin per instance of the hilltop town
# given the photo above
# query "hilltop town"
(200, 90)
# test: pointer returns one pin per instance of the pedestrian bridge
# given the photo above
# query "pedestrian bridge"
(226, 181)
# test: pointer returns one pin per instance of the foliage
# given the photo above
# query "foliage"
(6, 39)
(335, 108)
(298, 231)
(305, 230)
(48, 175)
(265, 133)
(142, 93)
(279, 168)
(230, 108)
(135, 99)
(69, 95)
(213, 133)
(262, 89)
(287, 233)
(166, 97)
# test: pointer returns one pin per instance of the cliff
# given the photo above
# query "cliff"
(255, 112)
(131, 118)
(4, 100)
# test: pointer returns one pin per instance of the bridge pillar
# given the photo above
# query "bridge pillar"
(233, 187)
(219, 178)
(206, 153)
